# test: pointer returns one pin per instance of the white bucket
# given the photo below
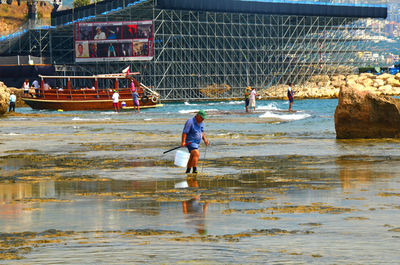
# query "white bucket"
(181, 158)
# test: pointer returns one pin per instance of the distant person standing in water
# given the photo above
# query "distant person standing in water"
(247, 92)
(290, 96)
(135, 97)
(115, 98)
(253, 95)
(192, 134)
(13, 100)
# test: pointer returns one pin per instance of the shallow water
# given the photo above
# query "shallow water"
(274, 187)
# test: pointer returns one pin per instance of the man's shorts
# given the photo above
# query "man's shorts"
(116, 105)
(136, 102)
(247, 101)
(191, 148)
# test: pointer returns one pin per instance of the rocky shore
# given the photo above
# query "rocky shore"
(324, 86)
(5, 96)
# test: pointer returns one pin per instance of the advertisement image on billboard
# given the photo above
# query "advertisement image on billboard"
(113, 41)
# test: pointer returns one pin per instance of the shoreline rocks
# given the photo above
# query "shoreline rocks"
(324, 86)
(5, 97)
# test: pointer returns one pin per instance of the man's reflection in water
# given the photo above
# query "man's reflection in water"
(194, 211)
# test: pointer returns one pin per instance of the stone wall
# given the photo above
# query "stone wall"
(324, 86)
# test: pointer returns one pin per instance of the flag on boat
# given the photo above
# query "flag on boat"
(127, 70)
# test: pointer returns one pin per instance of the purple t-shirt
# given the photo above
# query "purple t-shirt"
(194, 132)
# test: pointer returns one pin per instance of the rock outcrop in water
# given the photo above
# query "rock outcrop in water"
(4, 98)
(363, 114)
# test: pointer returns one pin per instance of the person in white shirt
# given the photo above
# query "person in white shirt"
(100, 35)
(26, 86)
(115, 98)
(13, 100)
(253, 95)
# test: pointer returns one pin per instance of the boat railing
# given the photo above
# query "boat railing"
(73, 93)
(69, 94)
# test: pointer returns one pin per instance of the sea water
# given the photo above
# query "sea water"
(275, 187)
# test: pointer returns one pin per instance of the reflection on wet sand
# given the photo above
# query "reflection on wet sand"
(360, 172)
(194, 210)
(15, 191)
(147, 214)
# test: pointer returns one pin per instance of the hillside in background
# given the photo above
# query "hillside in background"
(14, 17)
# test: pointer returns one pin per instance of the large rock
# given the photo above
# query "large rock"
(4, 98)
(362, 114)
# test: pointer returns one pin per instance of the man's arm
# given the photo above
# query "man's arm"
(183, 139)
(205, 139)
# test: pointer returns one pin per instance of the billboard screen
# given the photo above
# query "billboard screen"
(113, 41)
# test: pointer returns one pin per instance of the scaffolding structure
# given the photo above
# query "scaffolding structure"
(197, 51)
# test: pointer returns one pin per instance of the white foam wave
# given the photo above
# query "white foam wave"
(190, 104)
(196, 110)
(185, 111)
(11, 134)
(271, 106)
(235, 102)
(225, 103)
(293, 116)
(83, 119)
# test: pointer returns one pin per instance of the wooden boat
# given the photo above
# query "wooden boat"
(93, 98)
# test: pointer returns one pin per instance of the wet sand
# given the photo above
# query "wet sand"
(93, 191)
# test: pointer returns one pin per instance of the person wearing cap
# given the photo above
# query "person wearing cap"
(247, 92)
(192, 134)
(13, 100)
(115, 98)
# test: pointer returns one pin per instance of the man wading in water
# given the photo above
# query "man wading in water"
(192, 134)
